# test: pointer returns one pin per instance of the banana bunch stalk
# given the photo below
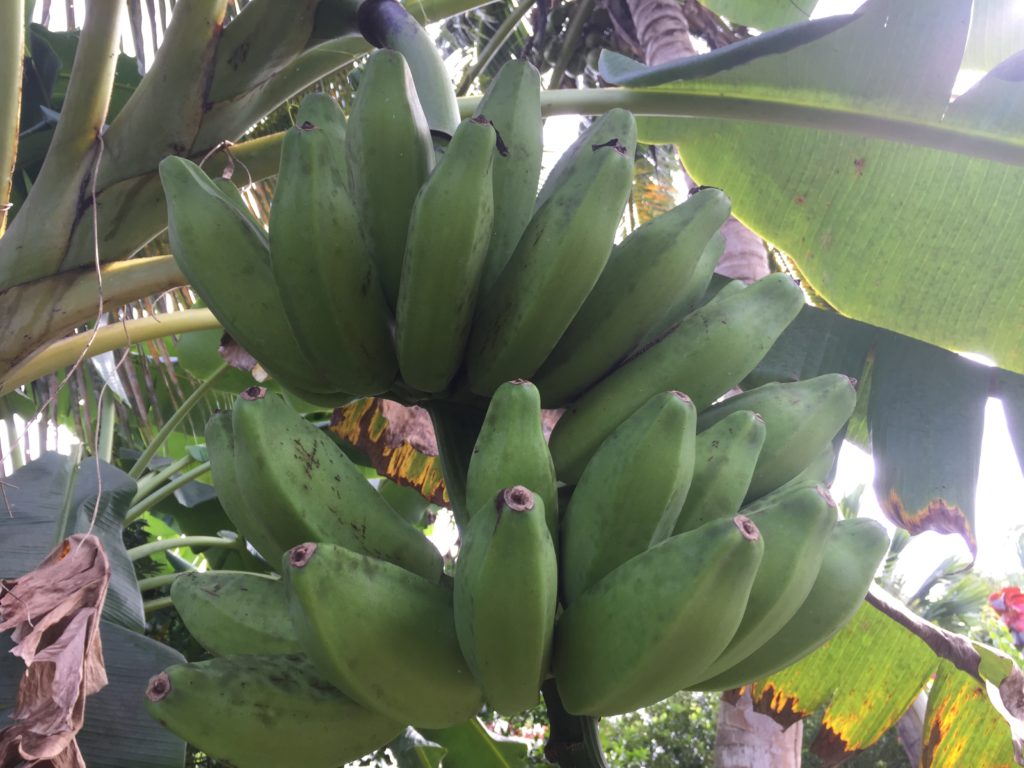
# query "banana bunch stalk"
(661, 539)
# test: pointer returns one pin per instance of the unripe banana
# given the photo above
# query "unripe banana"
(801, 418)
(404, 499)
(641, 280)
(851, 556)
(226, 258)
(265, 712)
(383, 635)
(235, 612)
(555, 265)
(613, 124)
(506, 591)
(512, 104)
(630, 493)
(724, 460)
(389, 153)
(234, 195)
(651, 626)
(795, 528)
(286, 465)
(445, 254)
(695, 292)
(248, 519)
(511, 450)
(326, 279)
(704, 356)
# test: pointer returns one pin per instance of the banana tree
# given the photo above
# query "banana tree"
(95, 201)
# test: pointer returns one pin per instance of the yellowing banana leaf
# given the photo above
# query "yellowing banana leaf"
(470, 745)
(869, 674)
(47, 500)
(399, 441)
(924, 239)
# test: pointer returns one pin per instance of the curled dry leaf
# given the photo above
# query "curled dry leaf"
(53, 614)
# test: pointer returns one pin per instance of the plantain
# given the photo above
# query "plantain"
(449, 230)
(506, 591)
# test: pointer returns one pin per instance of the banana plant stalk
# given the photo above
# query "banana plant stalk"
(12, 13)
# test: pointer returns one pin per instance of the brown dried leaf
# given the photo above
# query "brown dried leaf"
(53, 613)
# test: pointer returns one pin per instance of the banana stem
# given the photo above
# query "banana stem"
(148, 484)
(156, 604)
(572, 39)
(163, 492)
(501, 34)
(152, 547)
(105, 441)
(155, 582)
(456, 428)
(172, 423)
(574, 740)
(12, 26)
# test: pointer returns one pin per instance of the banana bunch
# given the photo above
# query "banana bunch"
(661, 538)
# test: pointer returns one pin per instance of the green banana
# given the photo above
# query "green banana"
(265, 712)
(324, 274)
(506, 591)
(511, 450)
(615, 123)
(234, 196)
(235, 612)
(651, 626)
(404, 499)
(706, 354)
(449, 230)
(383, 635)
(313, 492)
(248, 519)
(724, 460)
(850, 558)
(641, 279)
(554, 266)
(630, 493)
(801, 417)
(389, 154)
(512, 104)
(227, 260)
(695, 292)
(795, 528)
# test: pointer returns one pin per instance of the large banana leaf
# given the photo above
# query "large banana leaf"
(911, 238)
(869, 674)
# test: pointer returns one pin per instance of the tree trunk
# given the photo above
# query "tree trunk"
(748, 739)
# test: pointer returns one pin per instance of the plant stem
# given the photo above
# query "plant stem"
(105, 441)
(501, 34)
(148, 484)
(572, 38)
(574, 740)
(66, 351)
(12, 26)
(152, 547)
(155, 582)
(13, 438)
(172, 423)
(164, 491)
(149, 606)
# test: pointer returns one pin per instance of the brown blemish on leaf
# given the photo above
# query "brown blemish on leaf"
(399, 441)
(53, 615)
(937, 515)
(831, 747)
(779, 706)
(858, 166)
(799, 199)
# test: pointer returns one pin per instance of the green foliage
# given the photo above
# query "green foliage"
(678, 732)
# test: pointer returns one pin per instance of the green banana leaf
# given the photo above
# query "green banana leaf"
(39, 494)
(763, 14)
(117, 732)
(914, 239)
(920, 413)
(997, 31)
(470, 745)
(869, 674)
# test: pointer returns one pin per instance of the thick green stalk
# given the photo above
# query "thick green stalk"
(34, 244)
(172, 423)
(12, 14)
(580, 15)
(150, 483)
(501, 34)
(156, 604)
(155, 582)
(66, 352)
(105, 440)
(144, 505)
(152, 547)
